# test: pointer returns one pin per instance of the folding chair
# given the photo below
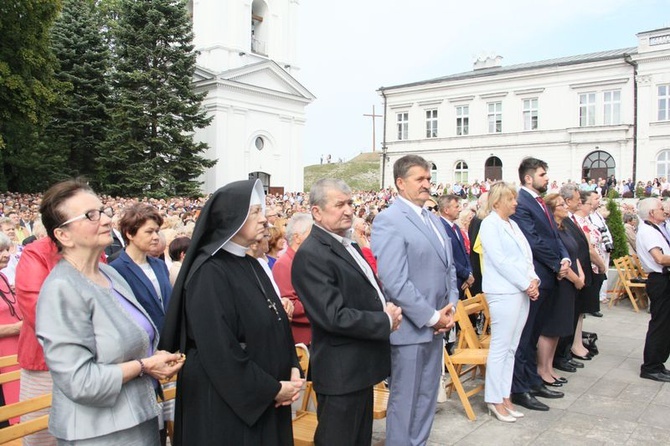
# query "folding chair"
(634, 287)
(472, 355)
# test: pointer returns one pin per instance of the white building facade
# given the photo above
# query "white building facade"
(588, 116)
(247, 59)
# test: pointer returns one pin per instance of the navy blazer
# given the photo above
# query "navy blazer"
(542, 235)
(144, 291)
(461, 257)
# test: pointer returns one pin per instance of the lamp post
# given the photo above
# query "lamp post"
(384, 149)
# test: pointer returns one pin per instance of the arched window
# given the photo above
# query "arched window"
(259, 29)
(663, 164)
(263, 176)
(493, 169)
(598, 164)
(433, 172)
(461, 172)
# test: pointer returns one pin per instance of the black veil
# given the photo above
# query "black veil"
(221, 218)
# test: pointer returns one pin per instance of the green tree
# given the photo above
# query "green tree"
(615, 224)
(79, 123)
(150, 149)
(26, 89)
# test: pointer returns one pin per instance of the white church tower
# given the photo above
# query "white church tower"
(246, 65)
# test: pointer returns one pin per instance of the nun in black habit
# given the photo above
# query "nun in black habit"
(241, 371)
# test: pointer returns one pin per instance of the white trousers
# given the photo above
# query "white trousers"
(508, 317)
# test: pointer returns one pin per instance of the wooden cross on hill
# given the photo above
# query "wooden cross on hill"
(373, 116)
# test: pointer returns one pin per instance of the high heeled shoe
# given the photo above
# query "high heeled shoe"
(498, 415)
(586, 357)
(514, 413)
(561, 380)
(552, 384)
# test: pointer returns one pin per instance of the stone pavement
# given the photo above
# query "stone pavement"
(605, 403)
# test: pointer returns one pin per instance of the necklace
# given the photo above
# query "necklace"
(9, 298)
(271, 304)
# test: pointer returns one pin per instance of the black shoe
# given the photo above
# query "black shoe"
(656, 376)
(552, 384)
(596, 314)
(543, 392)
(588, 357)
(593, 350)
(666, 372)
(589, 335)
(565, 366)
(561, 380)
(528, 401)
(576, 364)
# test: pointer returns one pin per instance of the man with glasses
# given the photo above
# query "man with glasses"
(271, 215)
(653, 248)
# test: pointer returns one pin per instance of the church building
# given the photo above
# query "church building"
(588, 116)
(246, 64)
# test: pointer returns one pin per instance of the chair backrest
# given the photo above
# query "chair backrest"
(620, 266)
(303, 357)
(638, 265)
(6, 361)
(462, 318)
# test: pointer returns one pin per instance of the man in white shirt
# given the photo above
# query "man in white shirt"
(654, 252)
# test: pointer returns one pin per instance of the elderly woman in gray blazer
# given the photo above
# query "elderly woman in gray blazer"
(99, 343)
(509, 280)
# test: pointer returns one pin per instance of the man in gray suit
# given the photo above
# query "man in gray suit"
(416, 268)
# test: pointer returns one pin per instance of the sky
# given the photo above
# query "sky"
(347, 49)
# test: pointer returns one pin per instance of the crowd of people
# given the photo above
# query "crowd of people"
(103, 297)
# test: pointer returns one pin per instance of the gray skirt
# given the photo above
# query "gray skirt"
(145, 434)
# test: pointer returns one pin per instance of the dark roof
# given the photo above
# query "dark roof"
(561, 61)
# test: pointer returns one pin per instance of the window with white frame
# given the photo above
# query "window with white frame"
(461, 172)
(663, 164)
(431, 123)
(587, 109)
(612, 107)
(462, 119)
(530, 114)
(664, 102)
(495, 117)
(403, 125)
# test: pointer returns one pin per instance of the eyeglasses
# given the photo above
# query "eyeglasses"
(92, 215)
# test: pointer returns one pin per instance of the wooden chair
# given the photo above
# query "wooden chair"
(635, 260)
(634, 289)
(12, 435)
(6, 361)
(477, 305)
(305, 422)
(472, 355)
(24, 428)
(381, 401)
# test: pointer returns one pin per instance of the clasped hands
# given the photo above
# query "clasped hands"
(533, 291)
(290, 390)
(446, 320)
(565, 267)
(163, 365)
(395, 313)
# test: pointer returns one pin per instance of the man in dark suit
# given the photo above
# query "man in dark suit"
(450, 208)
(351, 320)
(118, 244)
(551, 261)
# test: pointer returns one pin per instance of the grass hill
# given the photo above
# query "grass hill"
(360, 173)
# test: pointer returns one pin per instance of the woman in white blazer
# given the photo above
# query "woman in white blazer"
(509, 280)
(99, 343)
